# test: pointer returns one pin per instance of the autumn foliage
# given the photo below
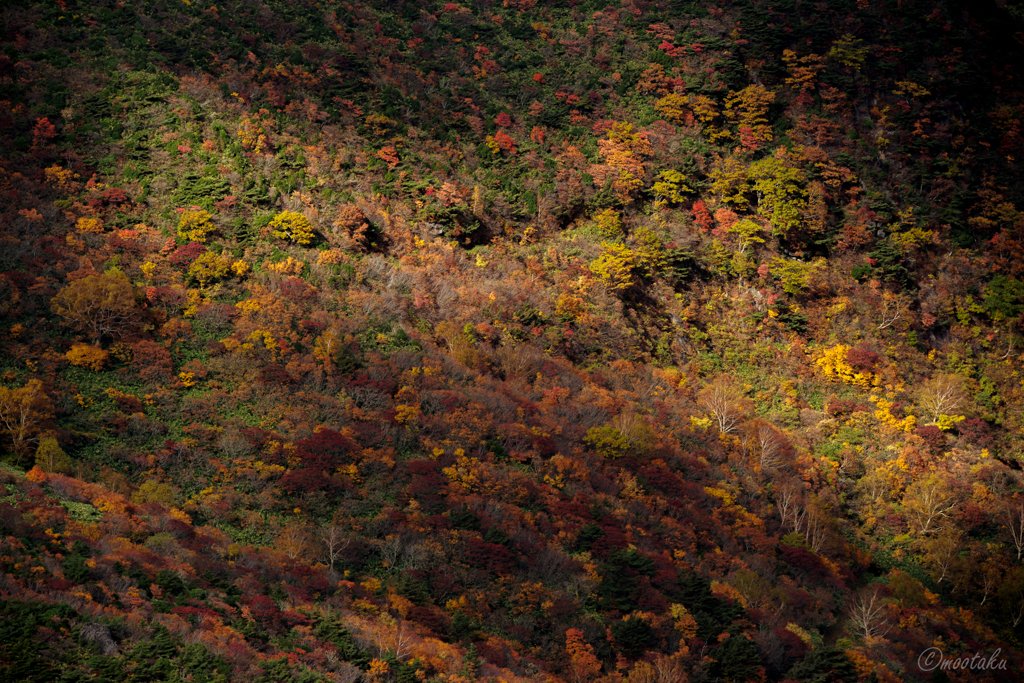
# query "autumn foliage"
(513, 341)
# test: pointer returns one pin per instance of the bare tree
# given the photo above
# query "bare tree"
(894, 306)
(99, 633)
(334, 541)
(816, 528)
(725, 402)
(1010, 594)
(670, 669)
(515, 360)
(390, 550)
(787, 502)
(764, 443)
(941, 551)
(799, 519)
(1012, 517)
(1009, 347)
(928, 502)
(867, 614)
(662, 670)
(401, 643)
(942, 395)
(1017, 612)
(294, 540)
(988, 577)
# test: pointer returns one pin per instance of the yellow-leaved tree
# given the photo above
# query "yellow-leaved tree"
(781, 191)
(87, 356)
(622, 267)
(50, 457)
(209, 267)
(23, 412)
(669, 188)
(674, 107)
(98, 305)
(195, 225)
(292, 225)
(748, 109)
(795, 276)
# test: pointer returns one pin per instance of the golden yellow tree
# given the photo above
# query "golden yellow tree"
(195, 225)
(669, 188)
(209, 267)
(296, 540)
(327, 346)
(803, 71)
(748, 109)
(23, 412)
(98, 305)
(87, 356)
(674, 108)
(622, 267)
(780, 187)
(706, 111)
(292, 225)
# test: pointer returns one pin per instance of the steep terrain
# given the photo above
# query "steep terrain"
(568, 341)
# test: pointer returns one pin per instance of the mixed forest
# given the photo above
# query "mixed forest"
(582, 341)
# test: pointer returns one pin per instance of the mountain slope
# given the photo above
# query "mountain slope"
(575, 341)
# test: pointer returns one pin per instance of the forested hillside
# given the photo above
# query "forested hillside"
(571, 341)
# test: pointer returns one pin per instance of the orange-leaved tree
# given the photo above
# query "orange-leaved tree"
(583, 664)
(625, 150)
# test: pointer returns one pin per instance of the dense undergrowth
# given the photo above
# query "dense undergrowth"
(652, 341)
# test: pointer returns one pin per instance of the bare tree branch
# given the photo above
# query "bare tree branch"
(867, 615)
